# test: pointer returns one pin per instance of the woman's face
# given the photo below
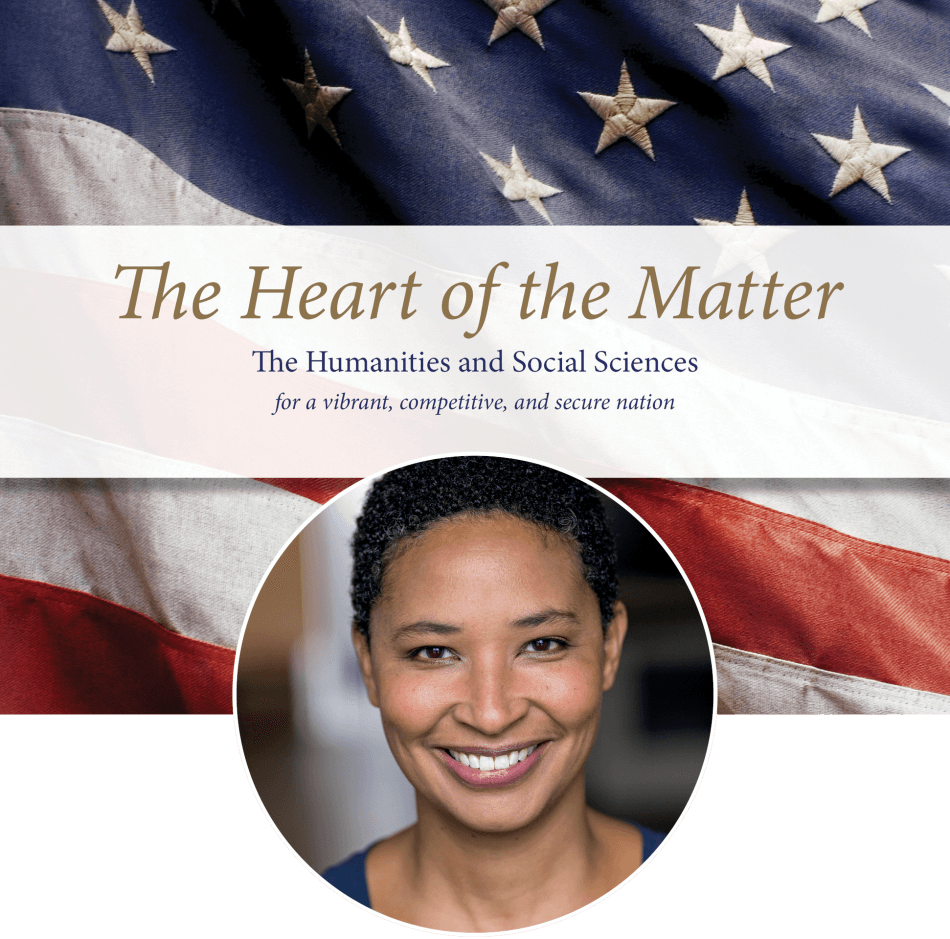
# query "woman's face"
(488, 642)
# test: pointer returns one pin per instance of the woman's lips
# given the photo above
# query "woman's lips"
(486, 779)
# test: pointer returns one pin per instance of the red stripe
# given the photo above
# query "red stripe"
(786, 587)
(66, 652)
(320, 490)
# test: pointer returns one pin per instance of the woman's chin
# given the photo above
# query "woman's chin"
(494, 819)
(498, 811)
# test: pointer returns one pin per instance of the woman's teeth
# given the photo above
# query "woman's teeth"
(487, 763)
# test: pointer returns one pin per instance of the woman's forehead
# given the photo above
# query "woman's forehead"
(485, 561)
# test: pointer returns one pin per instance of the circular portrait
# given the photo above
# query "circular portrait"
(475, 693)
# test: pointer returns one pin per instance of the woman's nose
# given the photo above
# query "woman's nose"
(492, 699)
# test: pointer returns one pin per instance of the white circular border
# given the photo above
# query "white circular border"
(712, 731)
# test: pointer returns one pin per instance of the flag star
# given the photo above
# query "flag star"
(402, 49)
(849, 9)
(128, 35)
(741, 49)
(938, 93)
(520, 184)
(743, 241)
(517, 14)
(316, 100)
(625, 115)
(860, 158)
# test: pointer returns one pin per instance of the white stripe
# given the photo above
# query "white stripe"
(758, 684)
(189, 554)
(913, 514)
(30, 448)
(58, 169)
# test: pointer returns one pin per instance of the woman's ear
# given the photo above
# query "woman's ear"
(361, 644)
(613, 644)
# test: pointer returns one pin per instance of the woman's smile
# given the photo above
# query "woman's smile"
(481, 769)
(488, 658)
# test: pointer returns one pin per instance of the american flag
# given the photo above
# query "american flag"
(820, 596)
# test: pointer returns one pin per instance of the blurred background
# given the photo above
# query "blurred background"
(315, 747)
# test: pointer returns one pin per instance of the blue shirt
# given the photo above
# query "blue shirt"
(349, 876)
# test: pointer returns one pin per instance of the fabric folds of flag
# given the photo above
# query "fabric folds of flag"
(821, 597)
(128, 595)
(475, 112)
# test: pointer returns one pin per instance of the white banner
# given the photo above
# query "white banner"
(611, 351)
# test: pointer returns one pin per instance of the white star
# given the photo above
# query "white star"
(402, 49)
(517, 14)
(741, 49)
(625, 115)
(938, 93)
(860, 158)
(849, 9)
(316, 100)
(520, 184)
(128, 35)
(743, 241)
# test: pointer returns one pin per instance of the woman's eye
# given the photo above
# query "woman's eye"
(545, 645)
(432, 652)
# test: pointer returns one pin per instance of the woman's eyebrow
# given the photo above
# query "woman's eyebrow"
(543, 618)
(424, 628)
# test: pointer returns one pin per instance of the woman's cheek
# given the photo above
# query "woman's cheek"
(571, 694)
(414, 702)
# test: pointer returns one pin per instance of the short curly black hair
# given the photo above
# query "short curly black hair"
(407, 501)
